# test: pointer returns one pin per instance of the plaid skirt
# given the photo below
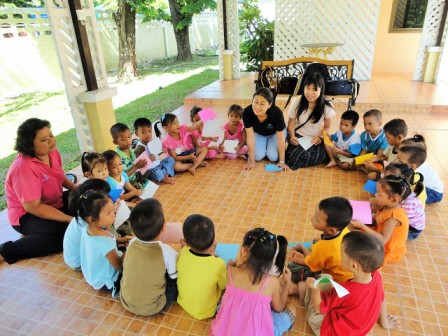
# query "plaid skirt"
(296, 157)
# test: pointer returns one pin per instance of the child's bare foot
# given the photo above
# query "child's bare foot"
(391, 322)
(202, 164)
(242, 156)
(192, 171)
(168, 180)
(332, 163)
(302, 286)
(292, 256)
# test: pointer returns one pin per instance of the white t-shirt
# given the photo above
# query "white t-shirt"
(431, 179)
(309, 129)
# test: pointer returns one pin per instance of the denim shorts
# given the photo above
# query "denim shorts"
(282, 321)
(187, 152)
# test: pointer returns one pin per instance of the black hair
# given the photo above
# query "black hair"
(141, 122)
(417, 154)
(199, 232)
(339, 212)
(266, 93)
(110, 155)
(90, 159)
(89, 203)
(166, 120)
(365, 248)
(396, 185)
(27, 132)
(118, 128)
(416, 140)
(262, 246)
(415, 179)
(374, 113)
(237, 109)
(85, 187)
(195, 110)
(351, 115)
(318, 81)
(147, 219)
(396, 127)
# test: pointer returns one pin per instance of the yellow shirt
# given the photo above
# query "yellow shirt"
(326, 257)
(201, 280)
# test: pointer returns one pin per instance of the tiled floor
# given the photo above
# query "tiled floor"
(44, 297)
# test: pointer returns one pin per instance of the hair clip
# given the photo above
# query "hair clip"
(163, 117)
(271, 236)
(83, 196)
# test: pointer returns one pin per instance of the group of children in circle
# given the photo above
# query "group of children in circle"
(151, 273)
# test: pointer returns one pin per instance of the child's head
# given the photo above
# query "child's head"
(147, 219)
(92, 184)
(332, 215)
(114, 165)
(372, 121)
(121, 135)
(194, 113)
(235, 114)
(361, 252)
(170, 124)
(94, 166)
(413, 178)
(349, 120)
(258, 251)
(417, 140)
(143, 129)
(391, 190)
(395, 131)
(96, 208)
(413, 156)
(199, 232)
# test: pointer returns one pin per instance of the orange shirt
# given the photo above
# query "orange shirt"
(395, 248)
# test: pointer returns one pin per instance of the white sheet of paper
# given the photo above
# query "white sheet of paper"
(229, 146)
(340, 291)
(123, 213)
(150, 190)
(305, 142)
(155, 146)
(214, 143)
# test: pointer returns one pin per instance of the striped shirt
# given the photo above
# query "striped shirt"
(415, 212)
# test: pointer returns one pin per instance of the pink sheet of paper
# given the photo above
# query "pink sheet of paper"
(143, 156)
(172, 233)
(362, 211)
(207, 114)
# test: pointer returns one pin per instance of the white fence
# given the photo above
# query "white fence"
(28, 60)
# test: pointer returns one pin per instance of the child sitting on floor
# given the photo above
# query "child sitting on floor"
(332, 215)
(94, 165)
(357, 312)
(255, 303)
(202, 275)
(164, 172)
(149, 268)
(197, 137)
(346, 142)
(234, 130)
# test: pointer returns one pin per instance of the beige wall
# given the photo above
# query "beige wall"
(394, 52)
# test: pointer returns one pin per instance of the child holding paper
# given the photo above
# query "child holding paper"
(357, 312)
(179, 145)
(234, 130)
(197, 137)
(164, 171)
(346, 143)
(122, 137)
(332, 215)
(202, 275)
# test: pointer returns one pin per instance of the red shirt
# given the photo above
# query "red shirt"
(355, 313)
(29, 179)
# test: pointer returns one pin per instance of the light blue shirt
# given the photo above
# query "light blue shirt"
(72, 242)
(116, 185)
(373, 145)
(95, 266)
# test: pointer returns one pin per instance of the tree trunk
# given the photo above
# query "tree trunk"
(182, 35)
(125, 20)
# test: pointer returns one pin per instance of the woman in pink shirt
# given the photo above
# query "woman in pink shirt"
(34, 194)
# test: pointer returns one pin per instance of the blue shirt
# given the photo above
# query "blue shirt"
(116, 185)
(351, 144)
(72, 242)
(373, 145)
(96, 268)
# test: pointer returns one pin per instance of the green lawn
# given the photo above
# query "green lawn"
(151, 106)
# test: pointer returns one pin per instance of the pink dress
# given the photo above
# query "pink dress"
(238, 135)
(182, 144)
(211, 154)
(243, 313)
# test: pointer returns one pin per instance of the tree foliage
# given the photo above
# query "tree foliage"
(257, 36)
(22, 3)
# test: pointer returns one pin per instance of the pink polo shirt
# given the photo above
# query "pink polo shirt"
(29, 179)
(182, 144)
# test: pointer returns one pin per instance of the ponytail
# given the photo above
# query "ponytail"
(165, 120)
(279, 261)
(157, 129)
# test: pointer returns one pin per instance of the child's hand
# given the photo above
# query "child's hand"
(221, 147)
(152, 157)
(310, 283)
(215, 138)
(355, 225)
(286, 276)
(138, 192)
(299, 248)
(140, 163)
(124, 240)
(231, 263)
